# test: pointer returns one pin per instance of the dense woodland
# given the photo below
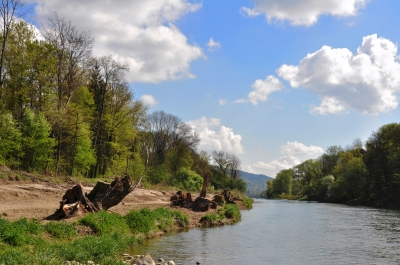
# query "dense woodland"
(360, 173)
(66, 112)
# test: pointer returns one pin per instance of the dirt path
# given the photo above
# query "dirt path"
(38, 200)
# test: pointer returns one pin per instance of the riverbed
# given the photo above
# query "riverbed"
(289, 232)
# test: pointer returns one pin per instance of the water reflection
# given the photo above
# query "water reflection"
(289, 232)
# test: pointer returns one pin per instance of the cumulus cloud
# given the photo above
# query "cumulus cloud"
(366, 81)
(299, 149)
(261, 90)
(212, 45)
(214, 136)
(139, 32)
(302, 12)
(328, 105)
(273, 167)
(149, 100)
(292, 153)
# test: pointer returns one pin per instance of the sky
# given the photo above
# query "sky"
(274, 82)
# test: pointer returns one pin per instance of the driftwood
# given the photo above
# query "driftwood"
(182, 199)
(103, 196)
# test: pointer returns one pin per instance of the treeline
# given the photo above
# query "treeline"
(360, 173)
(66, 112)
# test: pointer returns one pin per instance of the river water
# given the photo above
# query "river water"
(289, 232)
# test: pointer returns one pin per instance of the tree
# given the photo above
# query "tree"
(283, 182)
(9, 10)
(161, 126)
(72, 50)
(10, 140)
(36, 141)
(330, 158)
(382, 161)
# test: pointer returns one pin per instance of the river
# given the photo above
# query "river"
(289, 232)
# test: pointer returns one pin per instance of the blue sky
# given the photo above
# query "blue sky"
(273, 81)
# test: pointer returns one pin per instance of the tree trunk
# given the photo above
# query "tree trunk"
(103, 196)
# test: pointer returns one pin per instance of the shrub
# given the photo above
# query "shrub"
(187, 179)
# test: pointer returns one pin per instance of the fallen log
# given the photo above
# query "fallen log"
(103, 196)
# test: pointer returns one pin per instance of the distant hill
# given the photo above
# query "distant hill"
(256, 183)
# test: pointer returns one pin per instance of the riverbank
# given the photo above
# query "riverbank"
(26, 238)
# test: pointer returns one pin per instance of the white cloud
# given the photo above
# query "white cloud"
(139, 32)
(222, 102)
(212, 45)
(328, 105)
(296, 148)
(149, 100)
(366, 81)
(302, 12)
(273, 167)
(261, 90)
(292, 153)
(213, 136)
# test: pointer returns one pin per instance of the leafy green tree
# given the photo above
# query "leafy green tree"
(283, 182)
(10, 140)
(382, 161)
(36, 140)
(307, 174)
(352, 173)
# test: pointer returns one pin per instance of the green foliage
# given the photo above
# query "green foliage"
(142, 221)
(248, 202)
(36, 140)
(211, 219)
(187, 179)
(105, 223)
(10, 139)
(29, 242)
(232, 211)
(146, 220)
(61, 230)
(20, 232)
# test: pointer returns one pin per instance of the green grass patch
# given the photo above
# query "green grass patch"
(103, 223)
(248, 202)
(61, 230)
(30, 242)
(232, 211)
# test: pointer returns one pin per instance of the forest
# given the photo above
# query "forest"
(361, 173)
(67, 112)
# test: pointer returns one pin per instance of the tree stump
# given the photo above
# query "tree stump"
(103, 196)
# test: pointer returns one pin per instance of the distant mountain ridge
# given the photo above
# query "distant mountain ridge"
(256, 183)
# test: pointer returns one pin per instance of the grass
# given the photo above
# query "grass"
(232, 211)
(30, 242)
(248, 202)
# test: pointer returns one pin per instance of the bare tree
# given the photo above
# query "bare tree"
(228, 164)
(161, 126)
(73, 49)
(9, 11)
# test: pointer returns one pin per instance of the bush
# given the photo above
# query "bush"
(187, 179)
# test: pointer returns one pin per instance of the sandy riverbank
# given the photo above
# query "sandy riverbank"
(36, 199)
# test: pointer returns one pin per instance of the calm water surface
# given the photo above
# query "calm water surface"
(289, 232)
